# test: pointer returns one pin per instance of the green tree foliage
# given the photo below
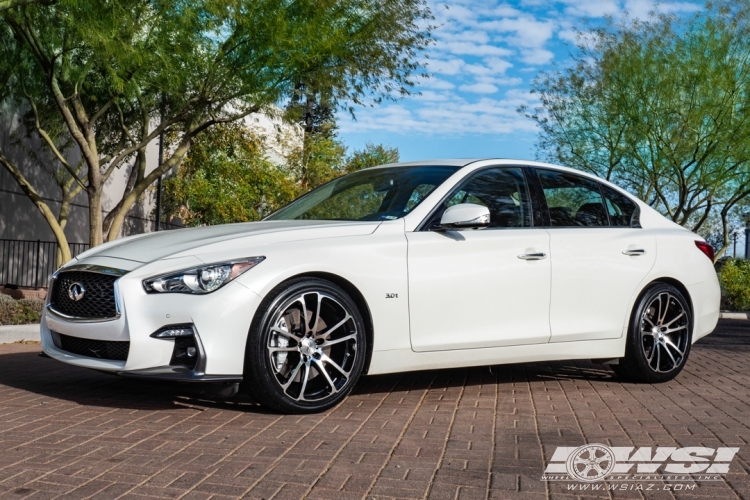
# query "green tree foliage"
(661, 107)
(734, 278)
(371, 156)
(108, 77)
(225, 178)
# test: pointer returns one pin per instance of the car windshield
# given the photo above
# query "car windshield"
(373, 194)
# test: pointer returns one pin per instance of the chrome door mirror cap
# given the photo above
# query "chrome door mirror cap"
(465, 216)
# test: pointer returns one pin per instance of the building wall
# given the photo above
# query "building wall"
(21, 220)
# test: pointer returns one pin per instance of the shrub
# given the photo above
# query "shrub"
(20, 312)
(734, 277)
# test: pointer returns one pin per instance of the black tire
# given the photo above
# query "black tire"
(654, 352)
(328, 358)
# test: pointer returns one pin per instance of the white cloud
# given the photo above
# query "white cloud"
(536, 56)
(485, 54)
(451, 66)
(640, 9)
(591, 8)
(525, 31)
(568, 35)
(479, 88)
(435, 83)
(473, 49)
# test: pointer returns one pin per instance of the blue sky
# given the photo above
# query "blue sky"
(483, 62)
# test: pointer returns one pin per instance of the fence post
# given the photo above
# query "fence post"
(36, 270)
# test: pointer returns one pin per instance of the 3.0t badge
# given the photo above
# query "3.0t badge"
(76, 291)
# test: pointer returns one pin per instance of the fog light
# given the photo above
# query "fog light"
(191, 352)
(173, 331)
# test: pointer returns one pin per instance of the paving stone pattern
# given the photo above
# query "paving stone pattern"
(483, 433)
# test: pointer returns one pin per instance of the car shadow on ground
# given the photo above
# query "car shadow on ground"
(46, 377)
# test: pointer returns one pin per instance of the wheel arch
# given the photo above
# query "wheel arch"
(679, 286)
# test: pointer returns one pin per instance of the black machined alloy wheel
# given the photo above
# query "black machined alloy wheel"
(659, 338)
(306, 347)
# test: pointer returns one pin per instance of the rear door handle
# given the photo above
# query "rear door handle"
(533, 256)
(634, 251)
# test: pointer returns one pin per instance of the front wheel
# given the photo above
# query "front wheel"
(306, 347)
(659, 336)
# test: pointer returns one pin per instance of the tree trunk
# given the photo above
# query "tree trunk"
(95, 215)
(28, 189)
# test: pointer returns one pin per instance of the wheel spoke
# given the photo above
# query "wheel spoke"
(666, 325)
(283, 349)
(303, 319)
(671, 344)
(286, 333)
(322, 369)
(336, 341)
(305, 377)
(663, 312)
(674, 361)
(292, 375)
(658, 357)
(334, 364)
(316, 320)
(672, 330)
(336, 326)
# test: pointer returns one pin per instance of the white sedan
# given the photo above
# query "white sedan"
(415, 266)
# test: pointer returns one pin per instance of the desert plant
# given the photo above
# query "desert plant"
(734, 277)
(20, 312)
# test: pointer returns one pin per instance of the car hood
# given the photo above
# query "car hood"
(182, 242)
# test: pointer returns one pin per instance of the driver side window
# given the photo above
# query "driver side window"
(502, 190)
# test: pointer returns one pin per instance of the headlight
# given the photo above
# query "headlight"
(204, 279)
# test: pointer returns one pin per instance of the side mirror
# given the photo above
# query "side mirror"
(464, 216)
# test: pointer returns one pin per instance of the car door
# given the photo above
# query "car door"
(599, 256)
(481, 288)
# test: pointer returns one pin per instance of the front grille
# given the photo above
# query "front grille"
(97, 302)
(101, 349)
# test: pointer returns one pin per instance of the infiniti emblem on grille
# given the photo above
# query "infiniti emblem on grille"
(76, 291)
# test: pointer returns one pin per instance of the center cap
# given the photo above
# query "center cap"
(307, 347)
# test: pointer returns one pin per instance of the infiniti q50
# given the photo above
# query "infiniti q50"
(412, 266)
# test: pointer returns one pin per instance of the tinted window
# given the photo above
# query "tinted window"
(572, 201)
(623, 212)
(502, 190)
(372, 194)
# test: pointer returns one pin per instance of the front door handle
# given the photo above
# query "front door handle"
(533, 256)
(634, 251)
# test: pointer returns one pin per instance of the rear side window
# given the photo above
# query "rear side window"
(572, 201)
(622, 211)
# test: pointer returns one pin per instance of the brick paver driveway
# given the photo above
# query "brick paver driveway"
(469, 433)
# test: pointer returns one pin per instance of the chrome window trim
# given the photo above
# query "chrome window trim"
(92, 268)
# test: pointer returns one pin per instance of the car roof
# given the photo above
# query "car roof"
(441, 162)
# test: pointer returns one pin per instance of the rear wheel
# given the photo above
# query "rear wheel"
(306, 347)
(659, 337)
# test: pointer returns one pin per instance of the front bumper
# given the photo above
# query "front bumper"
(221, 324)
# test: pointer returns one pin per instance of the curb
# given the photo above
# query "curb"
(15, 333)
(734, 315)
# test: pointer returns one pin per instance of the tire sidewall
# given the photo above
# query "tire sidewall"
(634, 349)
(258, 371)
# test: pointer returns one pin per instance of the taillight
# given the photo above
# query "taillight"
(706, 249)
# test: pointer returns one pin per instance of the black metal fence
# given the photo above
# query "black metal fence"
(31, 263)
